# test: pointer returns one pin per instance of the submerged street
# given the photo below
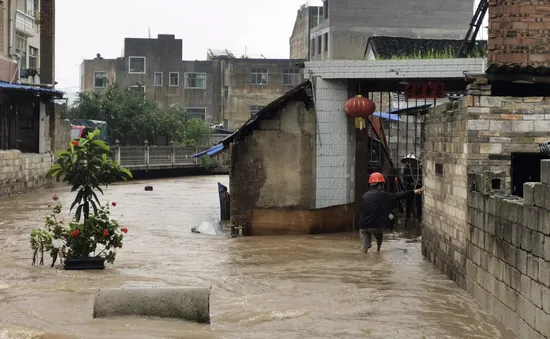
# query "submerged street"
(262, 287)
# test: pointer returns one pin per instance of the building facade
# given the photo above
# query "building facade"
(347, 24)
(222, 89)
(20, 40)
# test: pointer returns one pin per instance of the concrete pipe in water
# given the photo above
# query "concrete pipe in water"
(192, 304)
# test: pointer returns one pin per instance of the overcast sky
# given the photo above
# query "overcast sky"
(85, 28)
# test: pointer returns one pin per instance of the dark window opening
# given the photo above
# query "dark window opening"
(326, 42)
(312, 47)
(439, 169)
(495, 184)
(525, 168)
(325, 9)
(319, 46)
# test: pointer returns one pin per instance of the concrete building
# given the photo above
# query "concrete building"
(222, 89)
(307, 18)
(20, 40)
(30, 128)
(347, 24)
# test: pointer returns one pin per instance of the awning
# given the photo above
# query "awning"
(27, 88)
(210, 152)
(388, 116)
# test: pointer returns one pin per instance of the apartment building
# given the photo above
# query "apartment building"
(20, 40)
(346, 25)
(221, 89)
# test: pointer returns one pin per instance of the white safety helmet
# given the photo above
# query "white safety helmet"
(410, 156)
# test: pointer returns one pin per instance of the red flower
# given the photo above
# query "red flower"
(124, 229)
(106, 233)
(49, 205)
(75, 233)
(74, 142)
(114, 204)
(120, 246)
(55, 197)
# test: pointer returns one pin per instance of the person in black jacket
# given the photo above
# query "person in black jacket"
(376, 210)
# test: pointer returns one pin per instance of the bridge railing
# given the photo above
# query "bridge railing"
(154, 156)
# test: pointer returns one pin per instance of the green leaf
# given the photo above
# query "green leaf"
(78, 213)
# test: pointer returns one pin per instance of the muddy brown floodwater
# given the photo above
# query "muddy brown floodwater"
(262, 287)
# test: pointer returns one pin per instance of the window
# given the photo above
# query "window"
(319, 46)
(326, 41)
(312, 47)
(138, 90)
(137, 65)
(31, 6)
(174, 79)
(291, 77)
(258, 76)
(158, 79)
(196, 113)
(100, 79)
(33, 57)
(21, 49)
(255, 109)
(439, 169)
(325, 8)
(195, 80)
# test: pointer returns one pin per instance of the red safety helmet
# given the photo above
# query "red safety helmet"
(376, 178)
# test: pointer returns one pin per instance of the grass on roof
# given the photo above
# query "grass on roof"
(448, 53)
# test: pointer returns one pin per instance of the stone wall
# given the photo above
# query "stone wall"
(508, 264)
(20, 172)
(494, 247)
(445, 233)
(274, 168)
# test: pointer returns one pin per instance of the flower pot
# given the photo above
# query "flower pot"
(85, 263)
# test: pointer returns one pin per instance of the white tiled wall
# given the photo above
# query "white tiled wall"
(335, 174)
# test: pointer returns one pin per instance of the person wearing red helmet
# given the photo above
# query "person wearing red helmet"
(376, 210)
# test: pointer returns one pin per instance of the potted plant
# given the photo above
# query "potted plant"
(92, 236)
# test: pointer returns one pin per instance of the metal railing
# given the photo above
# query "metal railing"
(154, 156)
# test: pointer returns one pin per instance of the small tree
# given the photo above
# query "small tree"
(198, 131)
(86, 166)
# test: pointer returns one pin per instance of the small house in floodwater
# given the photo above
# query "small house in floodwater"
(273, 172)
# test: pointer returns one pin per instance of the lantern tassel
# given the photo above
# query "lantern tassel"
(360, 123)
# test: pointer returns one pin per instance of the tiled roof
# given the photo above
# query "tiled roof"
(513, 68)
(387, 47)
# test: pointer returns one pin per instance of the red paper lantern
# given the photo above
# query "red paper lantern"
(360, 108)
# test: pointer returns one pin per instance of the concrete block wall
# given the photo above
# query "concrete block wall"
(499, 126)
(445, 233)
(20, 172)
(335, 145)
(395, 69)
(508, 264)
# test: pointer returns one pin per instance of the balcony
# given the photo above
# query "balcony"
(25, 23)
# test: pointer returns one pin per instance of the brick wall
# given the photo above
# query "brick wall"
(508, 265)
(445, 232)
(518, 32)
(479, 240)
(335, 174)
(20, 172)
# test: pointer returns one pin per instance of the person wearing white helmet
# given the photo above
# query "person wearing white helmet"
(412, 178)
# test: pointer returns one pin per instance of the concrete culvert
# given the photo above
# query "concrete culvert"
(192, 304)
(148, 188)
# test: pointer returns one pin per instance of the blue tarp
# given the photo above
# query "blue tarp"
(387, 116)
(7, 85)
(211, 151)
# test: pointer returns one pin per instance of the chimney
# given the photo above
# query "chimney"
(518, 33)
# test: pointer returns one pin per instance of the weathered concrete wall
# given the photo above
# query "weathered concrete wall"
(274, 168)
(20, 172)
(299, 40)
(350, 22)
(496, 248)
(335, 145)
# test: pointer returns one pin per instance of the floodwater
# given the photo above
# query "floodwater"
(262, 287)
